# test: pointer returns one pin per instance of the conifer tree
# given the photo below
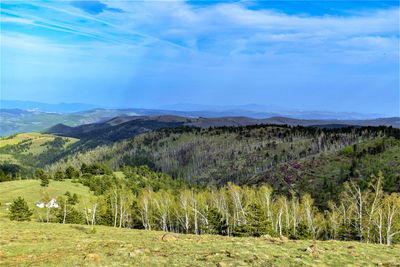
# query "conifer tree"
(43, 177)
(255, 224)
(59, 176)
(72, 200)
(216, 223)
(44, 181)
(19, 210)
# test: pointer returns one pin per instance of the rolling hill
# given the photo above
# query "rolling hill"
(18, 121)
(32, 149)
(123, 127)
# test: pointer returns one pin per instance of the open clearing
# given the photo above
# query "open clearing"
(27, 144)
(33, 243)
(31, 191)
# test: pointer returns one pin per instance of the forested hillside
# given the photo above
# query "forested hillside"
(219, 155)
(22, 153)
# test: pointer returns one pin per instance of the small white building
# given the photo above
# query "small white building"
(51, 204)
(8, 206)
(40, 205)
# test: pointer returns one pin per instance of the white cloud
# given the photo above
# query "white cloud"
(175, 44)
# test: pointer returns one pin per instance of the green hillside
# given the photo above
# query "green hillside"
(33, 149)
(31, 243)
(32, 192)
(256, 154)
(17, 121)
(323, 175)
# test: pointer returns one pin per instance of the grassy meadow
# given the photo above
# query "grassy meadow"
(33, 243)
(31, 191)
(51, 244)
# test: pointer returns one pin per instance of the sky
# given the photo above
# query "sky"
(309, 55)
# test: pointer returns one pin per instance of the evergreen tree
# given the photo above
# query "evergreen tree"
(59, 176)
(216, 223)
(84, 168)
(255, 223)
(43, 177)
(44, 181)
(71, 173)
(72, 200)
(302, 232)
(348, 231)
(19, 210)
(72, 215)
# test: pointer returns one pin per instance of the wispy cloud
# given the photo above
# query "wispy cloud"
(94, 7)
(169, 46)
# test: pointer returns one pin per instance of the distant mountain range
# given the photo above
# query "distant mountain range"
(45, 107)
(264, 111)
(196, 110)
(28, 116)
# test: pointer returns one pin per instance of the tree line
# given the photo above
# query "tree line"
(144, 199)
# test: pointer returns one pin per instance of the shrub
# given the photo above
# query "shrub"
(348, 151)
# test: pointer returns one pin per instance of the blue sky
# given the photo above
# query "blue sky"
(311, 55)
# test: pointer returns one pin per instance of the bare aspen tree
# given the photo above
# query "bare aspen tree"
(355, 196)
(333, 220)
(94, 215)
(91, 220)
(238, 211)
(184, 204)
(65, 210)
(115, 206)
(286, 213)
(162, 203)
(144, 204)
(125, 201)
(374, 202)
(307, 204)
(194, 205)
(295, 207)
(379, 223)
(391, 211)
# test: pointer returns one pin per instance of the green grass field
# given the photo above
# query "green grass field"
(33, 243)
(31, 191)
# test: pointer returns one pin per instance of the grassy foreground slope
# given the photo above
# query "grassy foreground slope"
(31, 243)
(31, 191)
